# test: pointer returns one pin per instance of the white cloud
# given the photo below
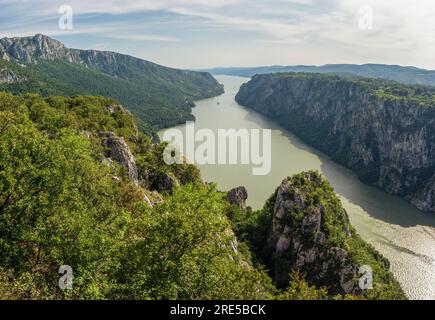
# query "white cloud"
(403, 31)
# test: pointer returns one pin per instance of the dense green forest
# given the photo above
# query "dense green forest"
(155, 104)
(63, 202)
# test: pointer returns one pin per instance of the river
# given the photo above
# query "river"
(400, 232)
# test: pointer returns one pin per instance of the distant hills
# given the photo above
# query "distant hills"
(158, 96)
(406, 75)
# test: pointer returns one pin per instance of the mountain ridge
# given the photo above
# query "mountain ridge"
(158, 96)
(402, 74)
(13, 49)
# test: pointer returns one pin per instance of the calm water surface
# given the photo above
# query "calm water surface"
(400, 232)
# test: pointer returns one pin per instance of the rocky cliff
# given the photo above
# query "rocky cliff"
(30, 49)
(9, 77)
(310, 232)
(299, 235)
(238, 197)
(382, 130)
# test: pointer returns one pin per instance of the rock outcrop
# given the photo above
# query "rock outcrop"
(119, 151)
(300, 238)
(8, 76)
(238, 197)
(382, 130)
(30, 49)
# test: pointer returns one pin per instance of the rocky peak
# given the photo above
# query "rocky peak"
(30, 49)
(238, 197)
(300, 238)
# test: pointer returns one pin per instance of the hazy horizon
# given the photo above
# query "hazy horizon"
(238, 33)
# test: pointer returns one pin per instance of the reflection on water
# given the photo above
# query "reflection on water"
(402, 233)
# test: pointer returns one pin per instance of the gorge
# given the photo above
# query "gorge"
(382, 130)
(398, 230)
(95, 183)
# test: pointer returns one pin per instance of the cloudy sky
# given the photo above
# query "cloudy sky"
(211, 33)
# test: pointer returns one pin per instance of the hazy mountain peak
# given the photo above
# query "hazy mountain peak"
(29, 49)
(403, 74)
(42, 47)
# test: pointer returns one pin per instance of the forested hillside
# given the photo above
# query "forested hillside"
(157, 96)
(81, 186)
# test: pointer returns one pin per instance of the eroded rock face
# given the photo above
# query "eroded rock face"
(30, 49)
(119, 151)
(390, 144)
(7, 76)
(238, 197)
(299, 241)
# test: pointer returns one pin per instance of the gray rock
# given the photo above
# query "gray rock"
(113, 108)
(301, 246)
(390, 144)
(30, 49)
(8, 77)
(119, 151)
(147, 200)
(238, 197)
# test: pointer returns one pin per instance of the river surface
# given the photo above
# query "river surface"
(400, 232)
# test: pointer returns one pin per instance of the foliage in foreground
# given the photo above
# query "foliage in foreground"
(60, 205)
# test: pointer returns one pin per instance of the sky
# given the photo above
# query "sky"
(231, 33)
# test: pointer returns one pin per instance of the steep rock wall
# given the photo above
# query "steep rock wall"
(388, 143)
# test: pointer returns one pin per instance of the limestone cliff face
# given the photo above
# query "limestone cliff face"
(299, 237)
(118, 150)
(308, 231)
(388, 143)
(8, 76)
(30, 49)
